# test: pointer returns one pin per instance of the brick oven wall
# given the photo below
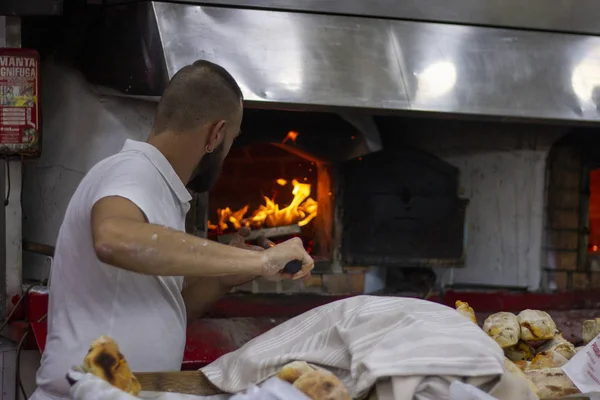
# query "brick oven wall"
(567, 220)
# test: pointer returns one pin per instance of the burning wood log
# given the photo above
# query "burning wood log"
(268, 233)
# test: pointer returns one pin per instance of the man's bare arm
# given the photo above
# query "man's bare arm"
(124, 239)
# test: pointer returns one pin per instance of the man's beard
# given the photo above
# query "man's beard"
(207, 172)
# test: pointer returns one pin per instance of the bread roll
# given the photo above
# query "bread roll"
(292, 371)
(552, 383)
(503, 327)
(547, 359)
(536, 325)
(591, 329)
(559, 344)
(322, 385)
(466, 310)
(106, 362)
(520, 351)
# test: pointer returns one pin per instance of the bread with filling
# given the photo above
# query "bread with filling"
(536, 325)
(106, 362)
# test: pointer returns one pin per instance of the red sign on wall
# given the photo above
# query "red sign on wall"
(19, 102)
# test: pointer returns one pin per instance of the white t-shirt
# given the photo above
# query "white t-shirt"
(145, 314)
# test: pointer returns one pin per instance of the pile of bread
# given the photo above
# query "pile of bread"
(534, 348)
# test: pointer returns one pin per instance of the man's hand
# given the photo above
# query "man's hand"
(276, 259)
(278, 256)
(239, 241)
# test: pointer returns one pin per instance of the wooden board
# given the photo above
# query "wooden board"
(186, 382)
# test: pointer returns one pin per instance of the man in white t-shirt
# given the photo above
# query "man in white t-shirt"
(123, 265)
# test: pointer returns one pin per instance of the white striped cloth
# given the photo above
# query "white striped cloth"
(366, 339)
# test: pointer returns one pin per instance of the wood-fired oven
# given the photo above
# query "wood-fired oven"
(309, 175)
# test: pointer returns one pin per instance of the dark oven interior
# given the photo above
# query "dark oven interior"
(312, 175)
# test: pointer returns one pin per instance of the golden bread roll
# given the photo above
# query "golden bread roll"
(547, 359)
(466, 310)
(294, 370)
(552, 383)
(520, 351)
(322, 385)
(106, 362)
(503, 327)
(559, 344)
(536, 325)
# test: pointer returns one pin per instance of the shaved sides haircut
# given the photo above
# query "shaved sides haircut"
(197, 94)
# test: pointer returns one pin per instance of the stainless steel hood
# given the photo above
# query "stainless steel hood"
(314, 61)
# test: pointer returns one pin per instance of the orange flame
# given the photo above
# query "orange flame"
(300, 211)
(291, 135)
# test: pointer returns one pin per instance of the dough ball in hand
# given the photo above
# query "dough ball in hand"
(322, 385)
(294, 370)
(106, 362)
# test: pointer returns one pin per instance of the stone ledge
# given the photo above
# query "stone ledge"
(352, 282)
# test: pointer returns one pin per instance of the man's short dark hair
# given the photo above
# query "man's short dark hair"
(197, 94)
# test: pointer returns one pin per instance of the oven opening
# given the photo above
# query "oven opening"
(270, 190)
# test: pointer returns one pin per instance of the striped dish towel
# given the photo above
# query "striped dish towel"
(366, 339)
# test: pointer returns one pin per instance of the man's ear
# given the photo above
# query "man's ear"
(216, 135)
